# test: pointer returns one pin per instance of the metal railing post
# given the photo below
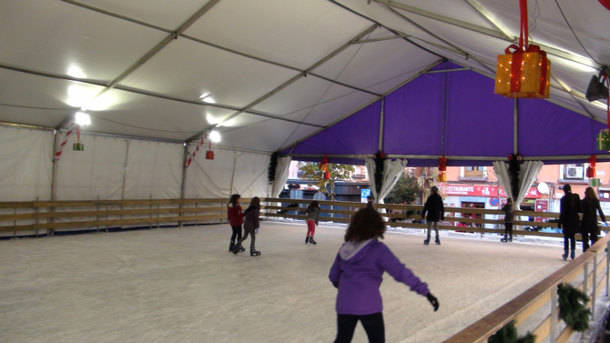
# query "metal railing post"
(594, 286)
(554, 315)
(586, 274)
(607, 266)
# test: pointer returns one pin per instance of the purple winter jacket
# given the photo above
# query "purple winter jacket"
(357, 273)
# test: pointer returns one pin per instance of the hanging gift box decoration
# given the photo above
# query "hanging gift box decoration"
(324, 168)
(78, 146)
(595, 182)
(603, 140)
(523, 71)
(442, 169)
(591, 168)
(209, 155)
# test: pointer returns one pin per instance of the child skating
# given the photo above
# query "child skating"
(313, 216)
(357, 274)
(236, 219)
(250, 226)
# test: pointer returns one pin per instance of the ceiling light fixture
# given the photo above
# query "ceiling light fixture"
(215, 136)
(82, 119)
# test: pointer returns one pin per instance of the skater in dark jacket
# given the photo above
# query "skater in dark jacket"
(590, 207)
(236, 219)
(357, 274)
(433, 212)
(313, 216)
(250, 226)
(509, 215)
(568, 218)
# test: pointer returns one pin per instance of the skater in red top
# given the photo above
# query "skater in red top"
(236, 219)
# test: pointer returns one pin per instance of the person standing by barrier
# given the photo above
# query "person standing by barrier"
(313, 216)
(568, 218)
(357, 274)
(509, 215)
(251, 224)
(589, 229)
(435, 212)
(236, 219)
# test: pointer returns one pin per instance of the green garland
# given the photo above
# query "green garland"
(379, 158)
(508, 334)
(272, 166)
(573, 307)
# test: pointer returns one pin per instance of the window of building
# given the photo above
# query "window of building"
(473, 173)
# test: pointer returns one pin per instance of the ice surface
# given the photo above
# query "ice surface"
(182, 285)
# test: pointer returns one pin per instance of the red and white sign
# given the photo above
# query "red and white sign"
(483, 190)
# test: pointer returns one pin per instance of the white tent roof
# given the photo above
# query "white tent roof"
(277, 71)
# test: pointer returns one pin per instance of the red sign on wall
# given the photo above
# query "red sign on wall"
(483, 191)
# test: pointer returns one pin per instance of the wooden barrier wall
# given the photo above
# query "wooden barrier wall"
(101, 214)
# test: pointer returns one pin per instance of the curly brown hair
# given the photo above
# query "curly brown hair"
(365, 224)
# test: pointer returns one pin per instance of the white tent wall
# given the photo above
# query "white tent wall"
(25, 171)
(210, 178)
(154, 170)
(95, 173)
(251, 174)
(246, 171)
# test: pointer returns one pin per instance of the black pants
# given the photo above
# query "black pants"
(373, 325)
(586, 237)
(252, 238)
(236, 234)
(569, 237)
(508, 230)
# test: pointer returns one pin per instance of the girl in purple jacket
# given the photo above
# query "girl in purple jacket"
(357, 273)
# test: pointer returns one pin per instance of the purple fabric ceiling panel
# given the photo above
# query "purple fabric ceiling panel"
(546, 129)
(479, 122)
(412, 117)
(357, 134)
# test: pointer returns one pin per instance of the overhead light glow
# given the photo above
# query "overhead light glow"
(82, 119)
(75, 71)
(205, 97)
(214, 136)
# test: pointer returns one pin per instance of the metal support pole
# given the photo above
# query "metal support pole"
(37, 213)
(585, 283)
(607, 266)
(594, 287)
(381, 118)
(53, 180)
(183, 182)
(124, 182)
(554, 315)
(515, 126)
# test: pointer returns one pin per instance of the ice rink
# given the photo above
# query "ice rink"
(181, 285)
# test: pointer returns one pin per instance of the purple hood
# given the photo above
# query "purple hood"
(357, 273)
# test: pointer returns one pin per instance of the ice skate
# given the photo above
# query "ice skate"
(427, 241)
(255, 253)
(312, 241)
(437, 241)
(231, 247)
(306, 239)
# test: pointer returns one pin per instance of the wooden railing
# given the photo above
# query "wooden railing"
(102, 214)
(340, 211)
(50, 216)
(587, 272)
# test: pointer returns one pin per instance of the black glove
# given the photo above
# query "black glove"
(433, 301)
